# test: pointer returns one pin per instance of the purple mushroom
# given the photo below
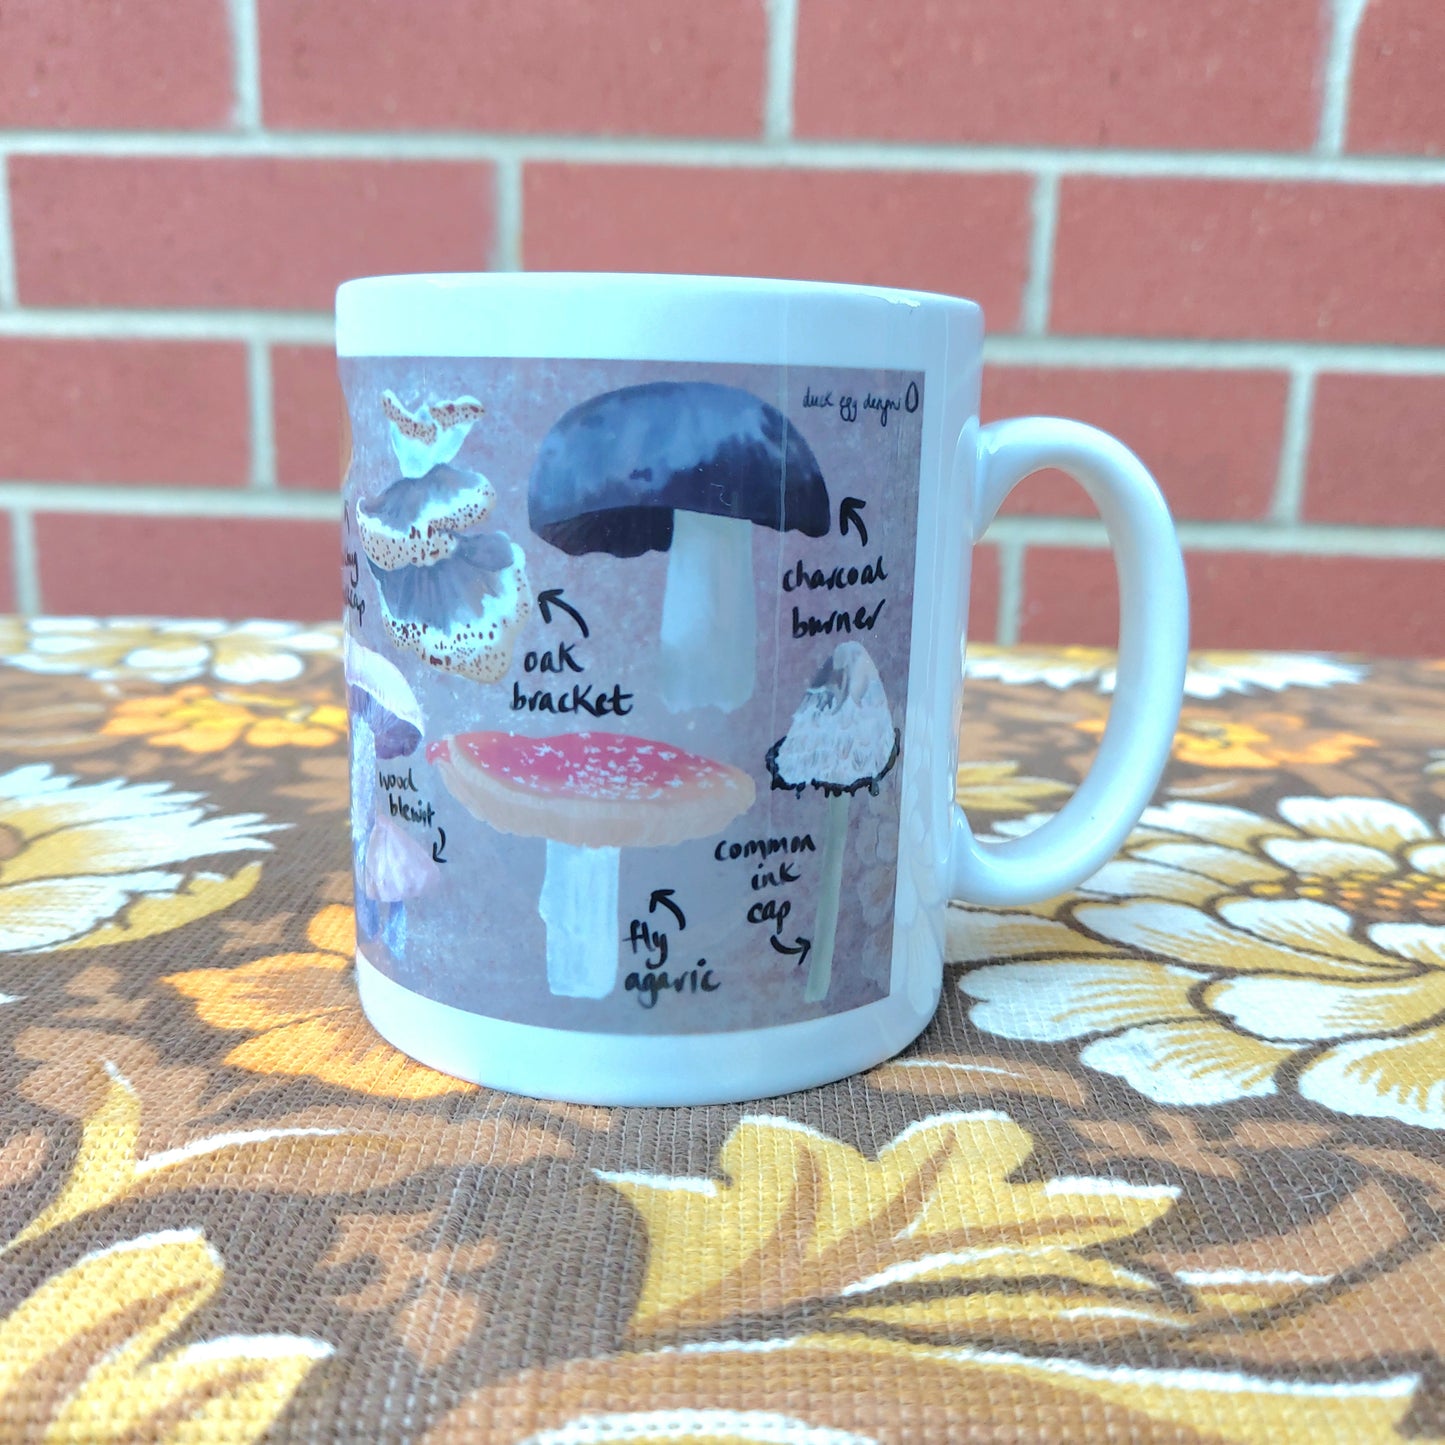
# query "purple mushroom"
(686, 468)
(383, 699)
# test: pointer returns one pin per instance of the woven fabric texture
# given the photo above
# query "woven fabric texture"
(1167, 1166)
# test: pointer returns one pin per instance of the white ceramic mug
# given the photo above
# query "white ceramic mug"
(656, 588)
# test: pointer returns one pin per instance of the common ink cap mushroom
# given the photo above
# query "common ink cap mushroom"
(687, 468)
(841, 739)
(842, 736)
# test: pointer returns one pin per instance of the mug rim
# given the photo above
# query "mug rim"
(362, 288)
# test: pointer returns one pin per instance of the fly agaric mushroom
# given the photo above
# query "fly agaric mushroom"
(686, 468)
(589, 795)
(381, 697)
(841, 739)
(451, 593)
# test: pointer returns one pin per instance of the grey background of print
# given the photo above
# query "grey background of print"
(475, 941)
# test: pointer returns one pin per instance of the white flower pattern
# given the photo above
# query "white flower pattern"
(115, 649)
(1224, 945)
(1210, 675)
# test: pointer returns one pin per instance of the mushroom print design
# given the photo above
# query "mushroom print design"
(842, 738)
(397, 868)
(382, 698)
(686, 468)
(589, 795)
(453, 594)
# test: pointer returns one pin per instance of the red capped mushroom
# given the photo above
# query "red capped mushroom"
(589, 795)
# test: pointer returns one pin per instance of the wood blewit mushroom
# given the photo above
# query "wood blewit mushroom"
(842, 738)
(686, 468)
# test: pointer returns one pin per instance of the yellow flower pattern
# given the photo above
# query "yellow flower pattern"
(302, 1012)
(199, 721)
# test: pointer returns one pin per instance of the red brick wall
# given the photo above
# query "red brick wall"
(1216, 227)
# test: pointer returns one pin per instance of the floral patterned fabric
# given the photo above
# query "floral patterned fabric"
(1169, 1164)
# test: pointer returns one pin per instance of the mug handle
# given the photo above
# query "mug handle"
(1153, 648)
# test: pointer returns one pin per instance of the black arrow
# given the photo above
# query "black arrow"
(801, 947)
(436, 848)
(850, 509)
(551, 598)
(664, 897)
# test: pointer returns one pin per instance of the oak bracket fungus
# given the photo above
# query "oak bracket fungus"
(686, 468)
(841, 739)
(451, 593)
(590, 795)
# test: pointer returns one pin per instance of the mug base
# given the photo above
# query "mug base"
(637, 1070)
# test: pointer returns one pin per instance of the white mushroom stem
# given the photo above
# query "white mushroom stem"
(578, 904)
(830, 887)
(709, 614)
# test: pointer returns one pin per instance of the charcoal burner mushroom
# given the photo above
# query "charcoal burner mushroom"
(841, 739)
(381, 697)
(589, 795)
(686, 468)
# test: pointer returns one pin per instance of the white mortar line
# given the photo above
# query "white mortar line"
(274, 326)
(835, 155)
(1336, 72)
(1307, 539)
(1289, 488)
(507, 200)
(246, 63)
(22, 562)
(1010, 591)
(782, 69)
(1122, 352)
(169, 501)
(263, 421)
(1131, 351)
(1034, 310)
(7, 245)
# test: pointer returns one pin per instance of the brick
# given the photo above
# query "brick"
(126, 64)
(1211, 438)
(573, 66)
(1377, 451)
(1162, 73)
(1069, 596)
(1397, 101)
(236, 231)
(966, 234)
(1312, 261)
(306, 407)
(7, 567)
(1247, 600)
(188, 566)
(127, 412)
(983, 595)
